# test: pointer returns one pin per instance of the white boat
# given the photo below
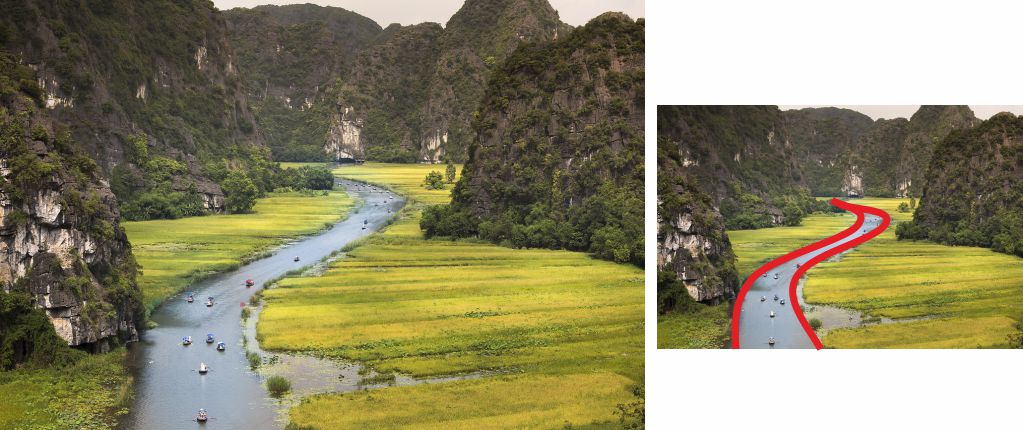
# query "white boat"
(203, 369)
(772, 314)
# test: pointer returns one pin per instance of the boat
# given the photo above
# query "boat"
(296, 258)
(190, 298)
(770, 341)
(763, 298)
(201, 416)
(782, 301)
(772, 314)
(187, 340)
(203, 369)
(209, 301)
(221, 346)
(209, 337)
(776, 297)
(249, 282)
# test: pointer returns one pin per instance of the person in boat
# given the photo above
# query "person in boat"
(209, 338)
(201, 416)
(209, 301)
(249, 282)
(770, 341)
(203, 368)
(296, 258)
(187, 340)
(772, 314)
(221, 346)
(190, 298)
(776, 297)
(763, 298)
(775, 276)
(782, 301)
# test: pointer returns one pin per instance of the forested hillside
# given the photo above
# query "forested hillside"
(150, 90)
(557, 161)
(974, 190)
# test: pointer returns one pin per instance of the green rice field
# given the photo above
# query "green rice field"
(707, 328)
(551, 338)
(174, 253)
(938, 296)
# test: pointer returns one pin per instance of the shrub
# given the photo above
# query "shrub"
(816, 324)
(278, 385)
(239, 191)
(254, 360)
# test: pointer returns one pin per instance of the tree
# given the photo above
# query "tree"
(240, 192)
(449, 174)
(434, 181)
(793, 214)
(912, 202)
(903, 207)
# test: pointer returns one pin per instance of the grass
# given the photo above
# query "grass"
(90, 394)
(558, 335)
(707, 328)
(175, 253)
(946, 297)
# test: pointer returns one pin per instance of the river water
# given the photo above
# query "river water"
(168, 388)
(756, 325)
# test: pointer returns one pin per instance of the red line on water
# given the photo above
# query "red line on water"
(860, 212)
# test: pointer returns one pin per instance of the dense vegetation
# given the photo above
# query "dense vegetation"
(561, 175)
(968, 205)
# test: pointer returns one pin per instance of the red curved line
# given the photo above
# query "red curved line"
(859, 210)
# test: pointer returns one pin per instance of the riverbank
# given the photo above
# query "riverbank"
(558, 334)
(179, 252)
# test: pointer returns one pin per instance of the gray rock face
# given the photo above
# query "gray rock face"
(693, 254)
(61, 255)
(344, 142)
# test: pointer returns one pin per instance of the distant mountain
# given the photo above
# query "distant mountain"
(291, 57)
(557, 160)
(402, 93)
(973, 193)
(843, 152)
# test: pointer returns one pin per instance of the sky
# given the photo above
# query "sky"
(906, 111)
(406, 12)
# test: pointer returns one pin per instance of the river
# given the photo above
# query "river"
(756, 325)
(168, 388)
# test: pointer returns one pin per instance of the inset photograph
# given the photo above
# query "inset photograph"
(840, 227)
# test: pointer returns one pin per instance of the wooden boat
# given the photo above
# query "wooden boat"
(203, 369)
(201, 416)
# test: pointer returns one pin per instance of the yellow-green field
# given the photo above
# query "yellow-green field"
(87, 395)
(173, 253)
(558, 335)
(955, 297)
(404, 179)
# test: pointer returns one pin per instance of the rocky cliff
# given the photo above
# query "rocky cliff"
(973, 194)
(558, 156)
(60, 239)
(162, 70)
(691, 241)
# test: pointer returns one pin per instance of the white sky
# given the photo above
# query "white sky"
(406, 12)
(906, 111)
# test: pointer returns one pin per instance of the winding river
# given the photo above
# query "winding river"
(168, 388)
